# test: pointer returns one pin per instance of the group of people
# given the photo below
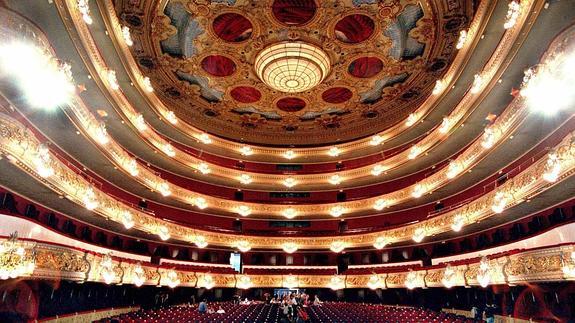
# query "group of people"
(203, 307)
(292, 306)
(488, 313)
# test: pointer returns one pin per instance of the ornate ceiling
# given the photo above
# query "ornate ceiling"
(292, 73)
(382, 60)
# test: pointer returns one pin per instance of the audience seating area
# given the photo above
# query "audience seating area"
(329, 312)
(355, 312)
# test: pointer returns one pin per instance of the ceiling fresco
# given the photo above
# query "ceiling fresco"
(374, 62)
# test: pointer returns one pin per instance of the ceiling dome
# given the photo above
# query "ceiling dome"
(292, 67)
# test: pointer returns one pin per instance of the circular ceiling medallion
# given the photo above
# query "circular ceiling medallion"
(232, 27)
(218, 65)
(336, 95)
(294, 12)
(292, 66)
(365, 67)
(354, 29)
(291, 104)
(246, 94)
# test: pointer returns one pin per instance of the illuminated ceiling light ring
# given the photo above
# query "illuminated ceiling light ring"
(292, 67)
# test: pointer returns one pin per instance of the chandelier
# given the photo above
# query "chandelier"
(107, 271)
(290, 247)
(290, 281)
(449, 276)
(374, 282)
(484, 272)
(207, 282)
(411, 279)
(138, 275)
(568, 267)
(292, 67)
(15, 261)
(336, 282)
(172, 279)
(244, 282)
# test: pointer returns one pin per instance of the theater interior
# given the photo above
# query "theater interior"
(287, 161)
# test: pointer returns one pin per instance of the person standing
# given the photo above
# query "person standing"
(203, 307)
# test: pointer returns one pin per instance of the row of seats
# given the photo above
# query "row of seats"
(329, 312)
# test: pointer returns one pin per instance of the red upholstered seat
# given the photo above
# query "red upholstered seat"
(328, 312)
